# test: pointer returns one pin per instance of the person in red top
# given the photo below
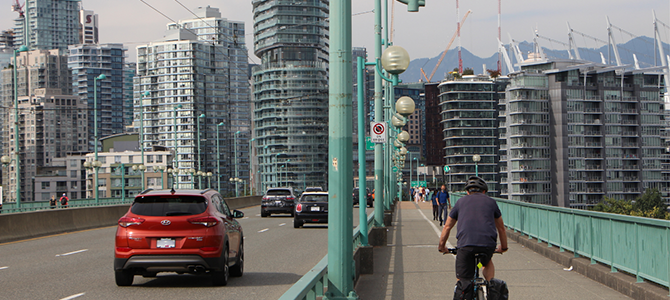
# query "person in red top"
(64, 200)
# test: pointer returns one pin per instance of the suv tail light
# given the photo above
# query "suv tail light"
(265, 198)
(290, 198)
(206, 221)
(127, 221)
(298, 207)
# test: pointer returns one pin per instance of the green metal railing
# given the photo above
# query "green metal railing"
(636, 245)
(312, 285)
(44, 205)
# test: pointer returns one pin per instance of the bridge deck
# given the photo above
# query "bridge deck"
(411, 268)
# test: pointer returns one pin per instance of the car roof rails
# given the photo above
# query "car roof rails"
(207, 190)
(145, 191)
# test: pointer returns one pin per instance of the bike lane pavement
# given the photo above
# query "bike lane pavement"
(410, 267)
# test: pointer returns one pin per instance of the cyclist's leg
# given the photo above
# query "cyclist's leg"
(465, 263)
(488, 269)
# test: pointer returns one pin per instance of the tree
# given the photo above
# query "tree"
(649, 205)
(468, 71)
(493, 73)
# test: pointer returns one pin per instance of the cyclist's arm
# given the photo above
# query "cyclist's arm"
(442, 247)
(500, 225)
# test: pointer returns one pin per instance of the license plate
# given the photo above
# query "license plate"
(165, 243)
(277, 203)
(316, 208)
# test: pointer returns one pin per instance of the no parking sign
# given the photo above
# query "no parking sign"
(378, 132)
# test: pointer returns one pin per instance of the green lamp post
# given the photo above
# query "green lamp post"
(199, 159)
(218, 157)
(96, 162)
(142, 96)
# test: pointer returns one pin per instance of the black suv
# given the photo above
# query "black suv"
(368, 196)
(278, 201)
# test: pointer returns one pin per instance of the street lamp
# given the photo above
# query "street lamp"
(17, 154)
(476, 158)
(162, 168)
(141, 168)
(145, 94)
(95, 131)
(123, 181)
(193, 172)
(218, 157)
(234, 180)
(235, 160)
(198, 137)
(209, 179)
(251, 173)
(175, 158)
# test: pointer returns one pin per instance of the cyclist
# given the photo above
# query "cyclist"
(479, 218)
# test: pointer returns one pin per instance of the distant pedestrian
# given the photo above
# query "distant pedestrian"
(426, 195)
(417, 196)
(433, 199)
(443, 201)
(52, 201)
(64, 200)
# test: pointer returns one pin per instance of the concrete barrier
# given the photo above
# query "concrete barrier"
(242, 202)
(19, 226)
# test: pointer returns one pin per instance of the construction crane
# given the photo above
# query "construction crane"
(428, 78)
(18, 8)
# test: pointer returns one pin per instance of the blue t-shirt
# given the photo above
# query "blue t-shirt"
(442, 197)
(476, 216)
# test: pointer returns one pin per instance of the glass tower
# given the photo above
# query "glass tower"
(291, 92)
(53, 24)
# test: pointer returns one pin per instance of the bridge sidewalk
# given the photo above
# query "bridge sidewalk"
(410, 267)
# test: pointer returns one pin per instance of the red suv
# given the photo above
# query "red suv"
(183, 231)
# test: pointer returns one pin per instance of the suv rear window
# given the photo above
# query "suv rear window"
(279, 192)
(314, 198)
(169, 205)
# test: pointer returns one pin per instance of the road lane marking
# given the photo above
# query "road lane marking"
(437, 231)
(282, 224)
(258, 215)
(73, 252)
(73, 296)
(2, 268)
(245, 218)
(263, 230)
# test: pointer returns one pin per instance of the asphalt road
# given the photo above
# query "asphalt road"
(80, 265)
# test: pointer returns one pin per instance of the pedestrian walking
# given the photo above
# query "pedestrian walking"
(444, 204)
(433, 199)
(427, 194)
(64, 200)
(417, 196)
(52, 201)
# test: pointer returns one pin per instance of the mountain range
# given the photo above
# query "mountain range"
(642, 47)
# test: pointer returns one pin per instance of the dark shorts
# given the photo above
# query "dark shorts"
(465, 260)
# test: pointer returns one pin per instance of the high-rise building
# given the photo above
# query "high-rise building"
(51, 125)
(197, 75)
(89, 61)
(291, 92)
(128, 75)
(88, 27)
(579, 131)
(7, 39)
(52, 24)
(469, 109)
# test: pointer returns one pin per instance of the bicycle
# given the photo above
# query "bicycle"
(480, 284)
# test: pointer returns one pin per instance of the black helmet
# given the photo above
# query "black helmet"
(476, 182)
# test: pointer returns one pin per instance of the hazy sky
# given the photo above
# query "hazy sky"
(423, 34)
